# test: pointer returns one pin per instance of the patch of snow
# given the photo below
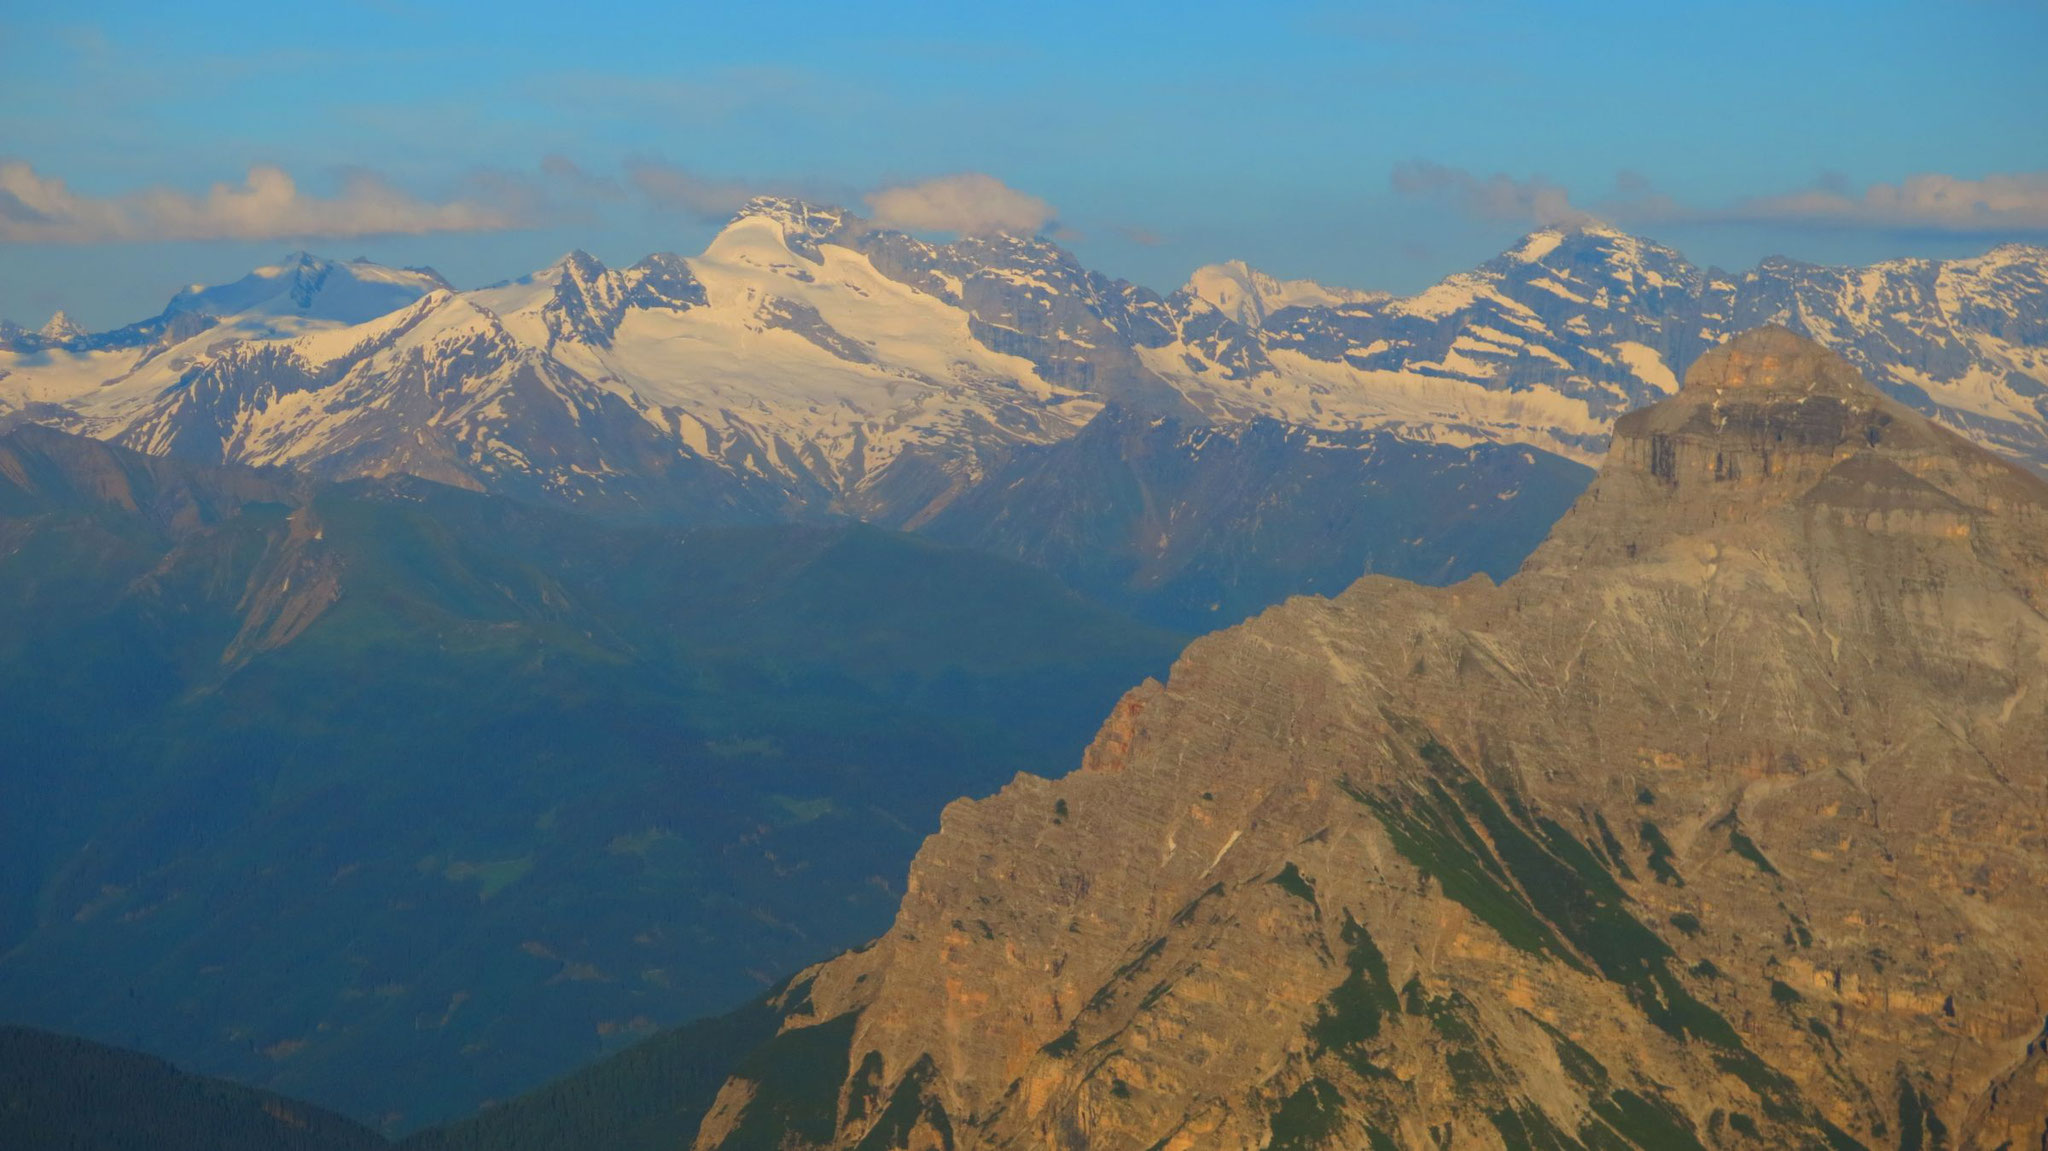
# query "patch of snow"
(1537, 245)
(1647, 365)
(1555, 288)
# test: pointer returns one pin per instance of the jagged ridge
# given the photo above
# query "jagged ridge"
(823, 365)
(1719, 825)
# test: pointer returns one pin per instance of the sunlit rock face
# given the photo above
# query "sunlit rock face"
(1722, 824)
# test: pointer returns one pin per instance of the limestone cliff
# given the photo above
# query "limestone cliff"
(1722, 824)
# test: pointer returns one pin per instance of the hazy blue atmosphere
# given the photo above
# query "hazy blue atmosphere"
(1359, 147)
(631, 576)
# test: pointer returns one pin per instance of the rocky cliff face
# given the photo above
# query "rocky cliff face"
(1724, 823)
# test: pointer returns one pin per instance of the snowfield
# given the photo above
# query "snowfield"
(809, 361)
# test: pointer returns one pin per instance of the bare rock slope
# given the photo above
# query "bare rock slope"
(1722, 824)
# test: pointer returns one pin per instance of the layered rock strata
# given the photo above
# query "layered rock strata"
(1722, 824)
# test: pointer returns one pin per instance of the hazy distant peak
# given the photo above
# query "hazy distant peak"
(2015, 252)
(579, 263)
(1248, 295)
(311, 287)
(61, 329)
(572, 267)
(1545, 244)
(666, 261)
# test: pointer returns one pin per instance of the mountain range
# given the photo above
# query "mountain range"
(823, 363)
(1721, 824)
(417, 692)
(812, 367)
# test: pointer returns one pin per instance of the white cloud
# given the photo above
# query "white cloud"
(1930, 201)
(2006, 202)
(269, 205)
(969, 203)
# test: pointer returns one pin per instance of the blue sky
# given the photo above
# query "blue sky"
(1367, 145)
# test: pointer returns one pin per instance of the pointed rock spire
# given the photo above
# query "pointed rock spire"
(581, 264)
(61, 329)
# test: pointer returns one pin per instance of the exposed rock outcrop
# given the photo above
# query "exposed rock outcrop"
(1722, 824)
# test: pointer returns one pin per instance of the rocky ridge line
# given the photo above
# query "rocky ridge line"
(1723, 824)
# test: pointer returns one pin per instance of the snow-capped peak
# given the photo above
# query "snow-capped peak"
(805, 350)
(1540, 245)
(800, 225)
(1586, 259)
(794, 214)
(2016, 252)
(588, 300)
(61, 329)
(309, 287)
(578, 264)
(1248, 295)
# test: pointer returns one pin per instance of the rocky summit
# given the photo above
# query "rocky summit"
(1721, 824)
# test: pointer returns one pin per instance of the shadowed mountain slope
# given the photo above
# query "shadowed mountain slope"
(399, 798)
(1195, 527)
(650, 1097)
(63, 1094)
